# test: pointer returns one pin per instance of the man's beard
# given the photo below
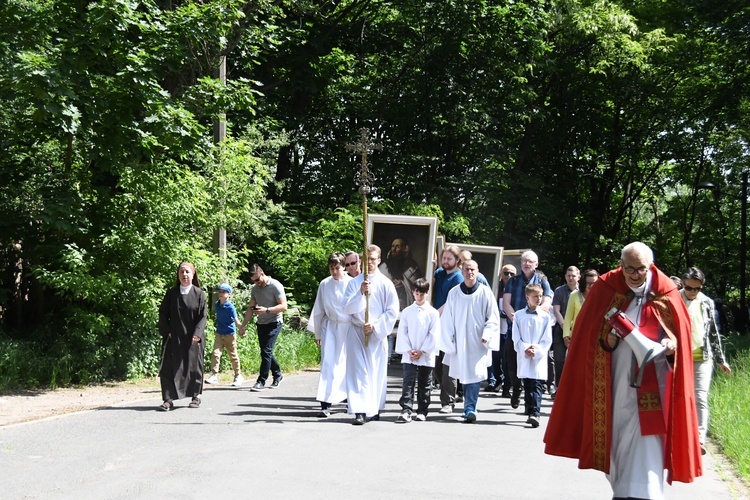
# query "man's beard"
(395, 263)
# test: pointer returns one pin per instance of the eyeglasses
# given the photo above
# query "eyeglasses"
(508, 273)
(633, 270)
(528, 261)
(692, 288)
(349, 264)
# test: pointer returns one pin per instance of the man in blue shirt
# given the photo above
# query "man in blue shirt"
(445, 278)
(514, 298)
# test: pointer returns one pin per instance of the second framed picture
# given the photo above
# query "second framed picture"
(489, 260)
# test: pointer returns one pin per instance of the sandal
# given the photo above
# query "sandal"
(166, 406)
(195, 403)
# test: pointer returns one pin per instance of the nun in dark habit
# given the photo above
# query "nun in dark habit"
(182, 321)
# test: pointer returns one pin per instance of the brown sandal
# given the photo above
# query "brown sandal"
(166, 406)
(195, 403)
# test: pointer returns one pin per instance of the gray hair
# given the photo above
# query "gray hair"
(638, 248)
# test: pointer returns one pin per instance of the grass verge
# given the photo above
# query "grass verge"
(729, 401)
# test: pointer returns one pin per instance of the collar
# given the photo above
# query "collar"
(642, 291)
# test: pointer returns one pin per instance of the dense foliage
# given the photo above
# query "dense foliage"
(569, 126)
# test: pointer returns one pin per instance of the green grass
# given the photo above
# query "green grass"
(295, 350)
(32, 365)
(729, 402)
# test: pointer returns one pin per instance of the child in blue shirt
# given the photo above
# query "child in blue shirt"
(226, 338)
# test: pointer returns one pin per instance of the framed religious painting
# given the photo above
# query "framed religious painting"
(489, 260)
(407, 244)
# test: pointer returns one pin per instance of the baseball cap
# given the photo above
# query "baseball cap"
(224, 288)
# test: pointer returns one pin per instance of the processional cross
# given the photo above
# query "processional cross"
(364, 179)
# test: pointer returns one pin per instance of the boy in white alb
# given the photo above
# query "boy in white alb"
(418, 331)
(532, 338)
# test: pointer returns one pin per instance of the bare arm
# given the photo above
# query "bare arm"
(558, 315)
(507, 307)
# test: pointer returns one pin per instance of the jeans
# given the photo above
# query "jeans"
(471, 396)
(532, 396)
(495, 371)
(703, 371)
(267, 334)
(422, 376)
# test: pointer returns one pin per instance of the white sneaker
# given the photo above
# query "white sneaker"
(213, 379)
(420, 417)
(446, 409)
(237, 382)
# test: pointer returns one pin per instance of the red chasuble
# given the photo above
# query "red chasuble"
(580, 425)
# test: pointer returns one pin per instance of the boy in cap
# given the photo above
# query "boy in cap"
(226, 328)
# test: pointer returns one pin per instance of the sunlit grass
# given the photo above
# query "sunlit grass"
(729, 401)
(295, 350)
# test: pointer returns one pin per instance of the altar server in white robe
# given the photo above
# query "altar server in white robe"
(330, 325)
(470, 327)
(366, 366)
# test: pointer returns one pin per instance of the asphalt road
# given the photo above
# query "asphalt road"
(270, 445)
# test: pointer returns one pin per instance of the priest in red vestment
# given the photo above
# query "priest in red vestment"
(631, 422)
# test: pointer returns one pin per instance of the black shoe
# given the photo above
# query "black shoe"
(258, 387)
(276, 382)
(505, 394)
(490, 388)
(166, 406)
(374, 418)
(359, 419)
(497, 387)
(514, 402)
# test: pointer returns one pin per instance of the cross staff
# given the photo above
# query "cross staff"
(364, 180)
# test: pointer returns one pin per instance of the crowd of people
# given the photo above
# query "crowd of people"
(627, 357)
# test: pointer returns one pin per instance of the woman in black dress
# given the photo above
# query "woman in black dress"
(182, 321)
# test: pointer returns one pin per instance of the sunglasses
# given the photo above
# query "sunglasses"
(693, 288)
(508, 273)
(349, 264)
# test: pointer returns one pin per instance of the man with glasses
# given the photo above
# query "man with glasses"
(367, 358)
(268, 303)
(352, 263)
(514, 298)
(604, 416)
